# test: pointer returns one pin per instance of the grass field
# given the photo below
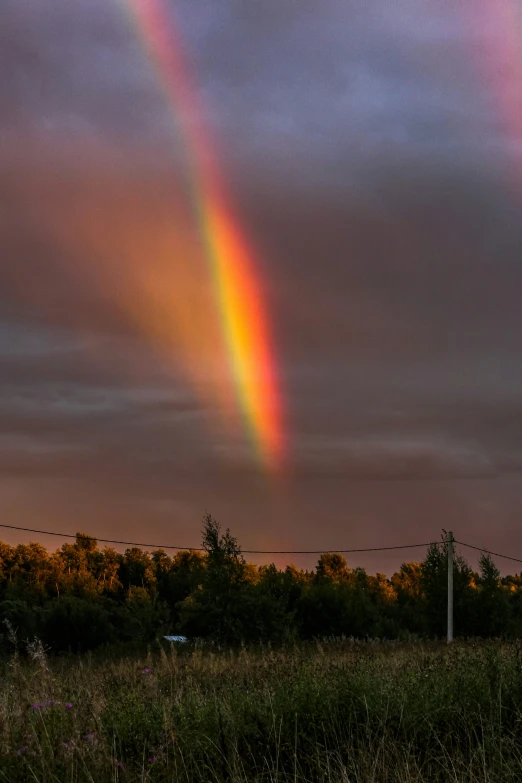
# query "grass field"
(339, 710)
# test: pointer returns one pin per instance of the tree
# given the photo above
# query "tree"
(78, 564)
(6, 565)
(137, 570)
(215, 607)
(185, 574)
(332, 566)
(86, 543)
(410, 607)
(493, 605)
(31, 572)
(108, 572)
(272, 600)
(434, 582)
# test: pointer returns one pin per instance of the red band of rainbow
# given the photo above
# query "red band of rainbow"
(231, 264)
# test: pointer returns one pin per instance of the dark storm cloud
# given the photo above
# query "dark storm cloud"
(329, 90)
(362, 149)
(294, 83)
(72, 70)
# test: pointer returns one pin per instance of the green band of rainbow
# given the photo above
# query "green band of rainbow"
(230, 261)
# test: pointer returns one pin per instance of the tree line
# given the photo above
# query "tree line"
(81, 597)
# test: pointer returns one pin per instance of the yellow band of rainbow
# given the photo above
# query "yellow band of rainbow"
(231, 264)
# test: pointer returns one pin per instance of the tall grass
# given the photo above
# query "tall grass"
(336, 711)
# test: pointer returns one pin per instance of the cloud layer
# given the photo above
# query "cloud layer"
(369, 164)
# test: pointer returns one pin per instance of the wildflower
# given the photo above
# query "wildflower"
(120, 764)
(146, 670)
(153, 759)
(68, 706)
(50, 703)
(89, 737)
(36, 705)
(22, 750)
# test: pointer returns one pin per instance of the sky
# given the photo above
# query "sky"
(371, 153)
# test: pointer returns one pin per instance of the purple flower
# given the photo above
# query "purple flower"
(146, 670)
(50, 703)
(22, 750)
(153, 759)
(89, 737)
(36, 705)
(120, 764)
(68, 706)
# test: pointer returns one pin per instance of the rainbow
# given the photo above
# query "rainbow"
(231, 264)
(500, 64)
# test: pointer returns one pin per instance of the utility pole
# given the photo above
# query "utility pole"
(450, 586)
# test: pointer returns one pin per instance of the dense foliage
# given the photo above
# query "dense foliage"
(338, 711)
(81, 597)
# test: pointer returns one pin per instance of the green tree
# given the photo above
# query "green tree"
(492, 599)
(7, 554)
(185, 574)
(411, 603)
(109, 570)
(137, 570)
(434, 585)
(332, 567)
(32, 572)
(78, 567)
(215, 607)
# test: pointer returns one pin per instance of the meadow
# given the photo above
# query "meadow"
(338, 710)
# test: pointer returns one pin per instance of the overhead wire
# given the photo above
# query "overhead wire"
(487, 551)
(202, 549)
(262, 551)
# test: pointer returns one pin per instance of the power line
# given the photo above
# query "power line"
(496, 554)
(246, 551)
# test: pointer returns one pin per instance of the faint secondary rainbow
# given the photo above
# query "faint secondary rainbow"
(499, 59)
(237, 287)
